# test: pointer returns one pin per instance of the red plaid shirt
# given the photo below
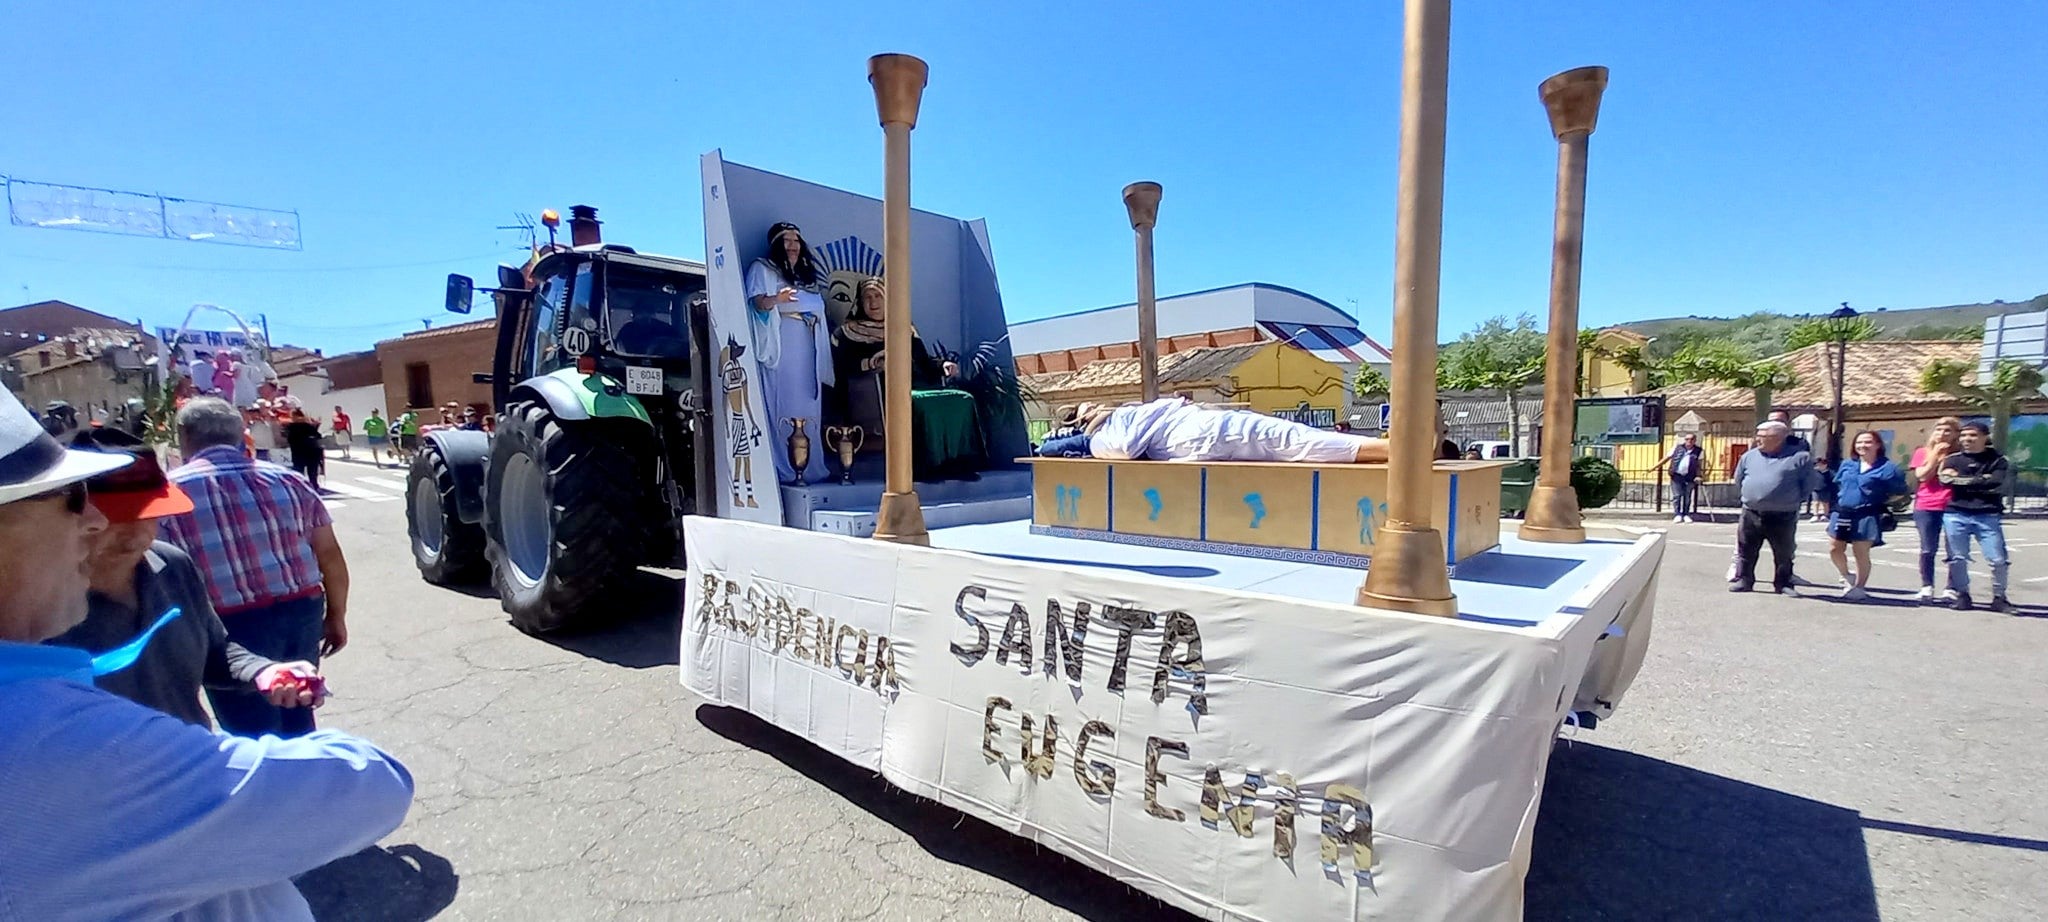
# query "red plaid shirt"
(248, 530)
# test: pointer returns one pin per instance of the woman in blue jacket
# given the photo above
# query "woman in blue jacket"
(1864, 483)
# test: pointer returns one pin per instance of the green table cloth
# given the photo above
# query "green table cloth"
(945, 434)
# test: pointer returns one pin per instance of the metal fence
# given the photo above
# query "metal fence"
(1648, 489)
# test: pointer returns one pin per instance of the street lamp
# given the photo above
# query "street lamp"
(1840, 317)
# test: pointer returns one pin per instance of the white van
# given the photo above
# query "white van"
(1492, 450)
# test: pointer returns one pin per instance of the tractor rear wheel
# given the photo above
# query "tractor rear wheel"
(446, 549)
(565, 519)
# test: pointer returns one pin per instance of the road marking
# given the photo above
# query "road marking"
(395, 486)
(333, 504)
(352, 492)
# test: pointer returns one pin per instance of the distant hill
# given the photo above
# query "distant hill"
(1764, 331)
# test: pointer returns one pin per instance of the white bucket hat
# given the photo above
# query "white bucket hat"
(32, 462)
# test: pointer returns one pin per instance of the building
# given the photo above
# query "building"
(1881, 392)
(1246, 314)
(1602, 373)
(53, 350)
(1269, 377)
(432, 367)
(353, 381)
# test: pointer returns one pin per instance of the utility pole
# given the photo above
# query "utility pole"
(263, 320)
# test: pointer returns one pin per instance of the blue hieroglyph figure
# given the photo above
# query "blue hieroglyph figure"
(1258, 507)
(1067, 503)
(1368, 521)
(1152, 499)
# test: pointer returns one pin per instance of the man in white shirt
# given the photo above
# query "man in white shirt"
(201, 372)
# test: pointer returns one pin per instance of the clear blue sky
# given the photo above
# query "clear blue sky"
(1751, 155)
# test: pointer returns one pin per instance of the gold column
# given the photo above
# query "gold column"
(1141, 199)
(899, 81)
(1408, 571)
(1572, 99)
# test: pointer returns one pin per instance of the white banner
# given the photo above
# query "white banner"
(1240, 755)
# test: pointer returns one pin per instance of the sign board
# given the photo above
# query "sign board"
(1386, 416)
(1619, 421)
(196, 341)
(1239, 754)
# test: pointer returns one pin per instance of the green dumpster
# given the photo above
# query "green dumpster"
(1516, 480)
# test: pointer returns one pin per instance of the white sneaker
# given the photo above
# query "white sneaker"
(1690, 520)
(1854, 594)
(1926, 594)
(1676, 519)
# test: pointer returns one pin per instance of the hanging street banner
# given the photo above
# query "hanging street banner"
(143, 214)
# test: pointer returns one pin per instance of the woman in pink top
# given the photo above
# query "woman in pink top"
(1930, 496)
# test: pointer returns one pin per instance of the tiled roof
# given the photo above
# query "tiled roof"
(1878, 373)
(468, 327)
(1192, 366)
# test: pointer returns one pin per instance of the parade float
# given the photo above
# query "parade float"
(1274, 691)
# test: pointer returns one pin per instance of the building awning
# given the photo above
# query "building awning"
(1337, 345)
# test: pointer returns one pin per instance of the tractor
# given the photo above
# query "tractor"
(600, 440)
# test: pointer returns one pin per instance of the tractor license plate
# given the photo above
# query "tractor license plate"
(643, 380)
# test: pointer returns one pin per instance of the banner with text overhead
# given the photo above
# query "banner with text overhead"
(1240, 755)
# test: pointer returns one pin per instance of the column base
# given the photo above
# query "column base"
(901, 519)
(1409, 573)
(1553, 516)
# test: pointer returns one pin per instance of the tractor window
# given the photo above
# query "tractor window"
(645, 311)
(547, 308)
(579, 300)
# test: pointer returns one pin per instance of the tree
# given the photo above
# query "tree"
(1370, 382)
(1589, 348)
(1727, 363)
(1499, 356)
(2012, 383)
(1830, 329)
(1634, 360)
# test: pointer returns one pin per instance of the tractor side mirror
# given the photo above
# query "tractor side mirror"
(460, 290)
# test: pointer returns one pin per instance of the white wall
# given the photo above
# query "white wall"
(357, 401)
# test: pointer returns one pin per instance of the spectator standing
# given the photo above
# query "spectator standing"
(340, 423)
(114, 811)
(201, 372)
(262, 424)
(226, 369)
(1930, 495)
(1687, 465)
(137, 579)
(470, 422)
(377, 431)
(302, 436)
(266, 549)
(1771, 478)
(408, 435)
(1865, 483)
(1975, 475)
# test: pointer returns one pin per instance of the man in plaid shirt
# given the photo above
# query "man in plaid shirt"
(266, 549)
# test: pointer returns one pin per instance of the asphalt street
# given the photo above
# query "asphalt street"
(1778, 758)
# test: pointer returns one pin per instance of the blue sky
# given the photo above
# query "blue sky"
(1750, 155)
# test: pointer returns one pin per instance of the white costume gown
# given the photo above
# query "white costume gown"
(1172, 429)
(796, 359)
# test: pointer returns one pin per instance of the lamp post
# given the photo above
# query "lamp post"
(899, 81)
(1572, 100)
(1408, 571)
(1841, 317)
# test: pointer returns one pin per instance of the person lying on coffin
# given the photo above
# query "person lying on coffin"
(859, 356)
(1177, 429)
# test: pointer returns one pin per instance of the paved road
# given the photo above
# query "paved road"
(1779, 758)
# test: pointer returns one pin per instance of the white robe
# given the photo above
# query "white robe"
(1172, 429)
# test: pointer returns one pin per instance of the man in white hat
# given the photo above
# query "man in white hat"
(116, 811)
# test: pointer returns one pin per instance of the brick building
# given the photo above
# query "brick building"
(431, 367)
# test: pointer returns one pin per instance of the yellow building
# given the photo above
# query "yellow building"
(1270, 377)
(1601, 375)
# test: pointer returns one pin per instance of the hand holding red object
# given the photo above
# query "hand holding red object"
(295, 684)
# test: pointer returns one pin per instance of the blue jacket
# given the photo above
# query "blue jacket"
(116, 811)
(1856, 488)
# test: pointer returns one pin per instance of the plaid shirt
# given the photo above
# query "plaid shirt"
(248, 530)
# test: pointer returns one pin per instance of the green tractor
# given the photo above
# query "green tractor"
(599, 446)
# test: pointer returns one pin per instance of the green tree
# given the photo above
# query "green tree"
(2011, 384)
(1829, 329)
(1501, 357)
(1370, 382)
(1727, 363)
